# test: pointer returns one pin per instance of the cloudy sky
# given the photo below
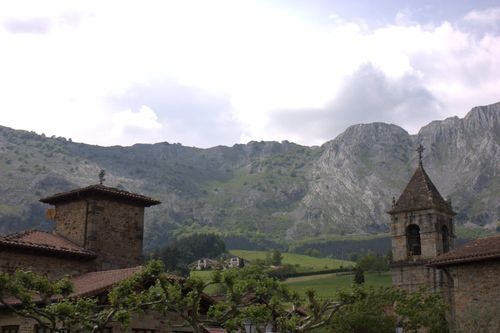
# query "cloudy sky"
(212, 72)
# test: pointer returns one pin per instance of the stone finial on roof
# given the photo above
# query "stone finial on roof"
(420, 150)
(102, 173)
(420, 193)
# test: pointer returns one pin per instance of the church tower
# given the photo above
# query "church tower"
(421, 229)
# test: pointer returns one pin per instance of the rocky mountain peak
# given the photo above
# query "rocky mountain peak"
(270, 190)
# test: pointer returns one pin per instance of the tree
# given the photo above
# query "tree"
(47, 302)
(312, 252)
(378, 310)
(182, 252)
(251, 296)
(359, 277)
(36, 297)
(373, 263)
(274, 257)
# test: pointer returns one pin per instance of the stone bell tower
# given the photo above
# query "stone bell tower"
(421, 229)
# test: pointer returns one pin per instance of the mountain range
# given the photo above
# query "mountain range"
(265, 191)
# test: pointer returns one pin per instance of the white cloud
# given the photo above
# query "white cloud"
(487, 16)
(60, 61)
(130, 127)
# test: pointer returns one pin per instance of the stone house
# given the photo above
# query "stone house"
(235, 262)
(424, 254)
(97, 240)
(206, 263)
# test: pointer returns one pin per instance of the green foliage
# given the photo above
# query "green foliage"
(36, 297)
(422, 309)
(379, 310)
(373, 263)
(179, 254)
(275, 257)
(359, 276)
(282, 271)
(250, 296)
(312, 252)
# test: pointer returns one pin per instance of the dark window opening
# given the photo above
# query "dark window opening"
(10, 329)
(446, 239)
(43, 329)
(141, 330)
(413, 240)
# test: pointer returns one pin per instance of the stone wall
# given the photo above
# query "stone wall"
(475, 301)
(115, 234)
(110, 228)
(71, 221)
(414, 276)
(52, 266)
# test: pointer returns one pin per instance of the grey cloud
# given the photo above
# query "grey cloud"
(193, 116)
(367, 96)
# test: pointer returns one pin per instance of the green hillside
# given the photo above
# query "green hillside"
(303, 262)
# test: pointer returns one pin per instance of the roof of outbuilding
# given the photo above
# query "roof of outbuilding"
(44, 243)
(94, 283)
(477, 250)
(207, 329)
(102, 190)
(420, 193)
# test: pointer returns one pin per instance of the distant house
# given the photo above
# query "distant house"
(206, 263)
(235, 262)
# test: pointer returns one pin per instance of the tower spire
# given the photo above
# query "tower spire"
(420, 150)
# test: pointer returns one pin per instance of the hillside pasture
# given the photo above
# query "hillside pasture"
(303, 263)
(328, 285)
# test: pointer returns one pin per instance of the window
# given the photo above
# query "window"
(413, 240)
(10, 329)
(41, 329)
(446, 239)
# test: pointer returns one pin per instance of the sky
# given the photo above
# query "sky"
(219, 72)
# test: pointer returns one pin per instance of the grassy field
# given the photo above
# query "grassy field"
(305, 263)
(327, 285)
(204, 275)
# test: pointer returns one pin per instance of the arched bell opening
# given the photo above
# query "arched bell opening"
(413, 240)
(445, 235)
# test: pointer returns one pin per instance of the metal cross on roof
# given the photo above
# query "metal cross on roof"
(101, 176)
(420, 150)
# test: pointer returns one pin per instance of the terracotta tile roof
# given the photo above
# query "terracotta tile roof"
(420, 193)
(102, 190)
(44, 243)
(214, 330)
(93, 283)
(477, 250)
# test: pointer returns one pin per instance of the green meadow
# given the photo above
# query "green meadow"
(303, 263)
(327, 285)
